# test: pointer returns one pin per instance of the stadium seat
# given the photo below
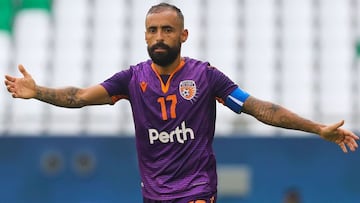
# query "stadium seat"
(5, 98)
(297, 78)
(31, 35)
(81, 43)
(259, 74)
(70, 48)
(6, 20)
(137, 41)
(191, 11)
(109, 56)
(222, 35)
(336, 63)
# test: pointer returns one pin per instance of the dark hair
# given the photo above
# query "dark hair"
(164, 6)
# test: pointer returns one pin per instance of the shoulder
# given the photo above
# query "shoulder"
(127, 74)
(141, 66)
(203, 68)
(132, 70)
(191, 62)
(205, 65)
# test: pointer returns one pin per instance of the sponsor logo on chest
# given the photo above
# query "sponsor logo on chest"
(180, 134)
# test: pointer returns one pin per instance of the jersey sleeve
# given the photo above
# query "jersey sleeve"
(226, 91)
(117, 85)
(220, 84)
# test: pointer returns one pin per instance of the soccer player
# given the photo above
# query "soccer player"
(173, 100)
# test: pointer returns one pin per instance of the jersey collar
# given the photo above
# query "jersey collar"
(165, 87)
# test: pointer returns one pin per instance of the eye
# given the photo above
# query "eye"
(168, 30)
(151, 30)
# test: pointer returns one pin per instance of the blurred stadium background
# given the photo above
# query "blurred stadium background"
(303, 54)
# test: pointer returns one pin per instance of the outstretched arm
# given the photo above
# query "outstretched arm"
(276, 115)
(70, 97)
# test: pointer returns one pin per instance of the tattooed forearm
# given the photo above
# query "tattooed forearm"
(275, 115)
(291, 120)
(67, 97)
(265, 112)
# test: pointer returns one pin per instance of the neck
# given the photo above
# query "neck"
(167, 70)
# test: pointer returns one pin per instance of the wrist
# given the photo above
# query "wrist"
(318, 129)
(37, 92)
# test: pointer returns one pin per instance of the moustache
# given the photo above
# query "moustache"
(159, 45)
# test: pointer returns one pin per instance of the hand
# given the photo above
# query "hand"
(24, 87)
(344, 138)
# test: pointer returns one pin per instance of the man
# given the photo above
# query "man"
(173, 100)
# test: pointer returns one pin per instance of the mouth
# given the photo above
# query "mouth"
(159, 50)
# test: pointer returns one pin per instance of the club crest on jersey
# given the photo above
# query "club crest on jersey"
(187, 89)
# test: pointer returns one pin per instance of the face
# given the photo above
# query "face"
(164, 36)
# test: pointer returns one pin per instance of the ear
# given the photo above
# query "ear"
(145, 36)
(184, 35)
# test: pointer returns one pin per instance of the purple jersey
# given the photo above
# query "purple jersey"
(174, 125)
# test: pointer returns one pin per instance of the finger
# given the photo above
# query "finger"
(9, 78)
(349, 135)
(354, 136)
(8, 83)
(353, 141)
(337, 125)
(343, 147)
(355, 144)
(11, 89)
(23, 71)
(8, 87)
(352, 145)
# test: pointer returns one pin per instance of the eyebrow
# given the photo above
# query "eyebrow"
(162, 27)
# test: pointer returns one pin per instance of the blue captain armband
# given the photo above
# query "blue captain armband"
(236, 99)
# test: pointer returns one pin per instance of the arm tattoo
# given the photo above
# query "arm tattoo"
(275, 115)
(266, 112)
(263, 111)
(67, 97)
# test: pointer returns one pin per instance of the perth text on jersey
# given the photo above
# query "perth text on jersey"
(180, 134)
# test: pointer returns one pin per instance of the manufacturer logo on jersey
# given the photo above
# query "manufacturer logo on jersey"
(187, 89)
(143, 86)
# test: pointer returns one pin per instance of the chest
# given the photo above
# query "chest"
(181, 94)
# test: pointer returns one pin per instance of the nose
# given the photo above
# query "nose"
(159, 36)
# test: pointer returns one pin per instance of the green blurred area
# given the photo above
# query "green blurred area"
(36, 4)
(357, 48)
(9, 9)
(6, 15)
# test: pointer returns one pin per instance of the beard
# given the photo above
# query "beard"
(163, 58)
